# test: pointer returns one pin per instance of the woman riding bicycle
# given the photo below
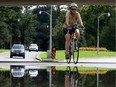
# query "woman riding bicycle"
(72, 17)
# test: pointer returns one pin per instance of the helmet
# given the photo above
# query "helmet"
(73, 5)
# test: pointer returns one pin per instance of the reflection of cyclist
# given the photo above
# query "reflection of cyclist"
(67, 79)
(72, 17)
(75, 80)
(71, 80)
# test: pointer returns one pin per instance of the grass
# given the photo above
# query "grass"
(4, 69)
(60, 54)
(3, 50)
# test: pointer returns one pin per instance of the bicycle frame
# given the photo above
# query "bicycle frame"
(72, 50)
(74, 77)
(74, 53)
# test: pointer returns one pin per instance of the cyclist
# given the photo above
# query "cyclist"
(72, 17)
(71, 80)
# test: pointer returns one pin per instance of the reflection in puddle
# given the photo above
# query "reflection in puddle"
(84, 78)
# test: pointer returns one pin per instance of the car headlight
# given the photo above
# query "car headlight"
(12, 50)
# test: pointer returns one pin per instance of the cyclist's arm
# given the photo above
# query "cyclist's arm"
(67, 19)
(80, 20)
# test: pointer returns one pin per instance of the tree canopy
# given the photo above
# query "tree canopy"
(19, 25)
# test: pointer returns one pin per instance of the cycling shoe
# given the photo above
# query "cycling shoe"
(67, 56)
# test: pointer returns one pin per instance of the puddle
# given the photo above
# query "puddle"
(85, 77)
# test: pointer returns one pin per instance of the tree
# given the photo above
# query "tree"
(58, 31)
(4, 36)
(108, 38)
(42, 30)
(89, 15)
(21, 26)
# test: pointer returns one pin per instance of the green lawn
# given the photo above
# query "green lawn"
(3, 50)
(60, 54)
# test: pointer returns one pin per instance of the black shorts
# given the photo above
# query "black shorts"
(70, 31)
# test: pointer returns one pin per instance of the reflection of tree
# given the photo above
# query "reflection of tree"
(17, 82)
(4, 79)
(59, 79)
(42, 80)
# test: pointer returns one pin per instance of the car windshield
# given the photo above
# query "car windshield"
(18, 47)
(33, 45)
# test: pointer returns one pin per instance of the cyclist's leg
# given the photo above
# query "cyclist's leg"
(67, 42)
(77, 33)
(77, 36)
(67, 82)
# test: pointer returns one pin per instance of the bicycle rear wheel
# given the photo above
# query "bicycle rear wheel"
(68, 71)
(76, 54)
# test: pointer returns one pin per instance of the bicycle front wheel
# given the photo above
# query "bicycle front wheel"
(69, 60)
(76, 55)
(75, 76)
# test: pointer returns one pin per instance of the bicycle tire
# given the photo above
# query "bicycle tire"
(76, 54)
(75, 76)
(68, 69)
(75, 71)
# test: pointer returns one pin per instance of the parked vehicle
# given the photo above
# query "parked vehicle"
(17, 50)
(33, 47)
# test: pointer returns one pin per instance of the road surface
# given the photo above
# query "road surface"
(31, 62)
(29, 56)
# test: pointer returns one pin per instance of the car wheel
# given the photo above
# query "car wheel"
(23, 57)
(29, 50)
(10, 56)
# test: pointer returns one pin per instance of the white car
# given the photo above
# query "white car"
(33, 72)
(33, 47)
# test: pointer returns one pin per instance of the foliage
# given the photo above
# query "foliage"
(109, 40)
(58, 32)
(31, 27)
(14, 27)
(107, 24)
(4, 37)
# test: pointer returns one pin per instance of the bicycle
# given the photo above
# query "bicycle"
(74, 77)
(71, 80)
(74, 53)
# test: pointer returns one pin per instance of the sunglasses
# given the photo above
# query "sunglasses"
(74, 9)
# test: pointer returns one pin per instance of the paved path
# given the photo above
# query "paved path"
(100, 63)
(99, 59)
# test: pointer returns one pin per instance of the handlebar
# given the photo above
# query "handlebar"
(76, 26)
